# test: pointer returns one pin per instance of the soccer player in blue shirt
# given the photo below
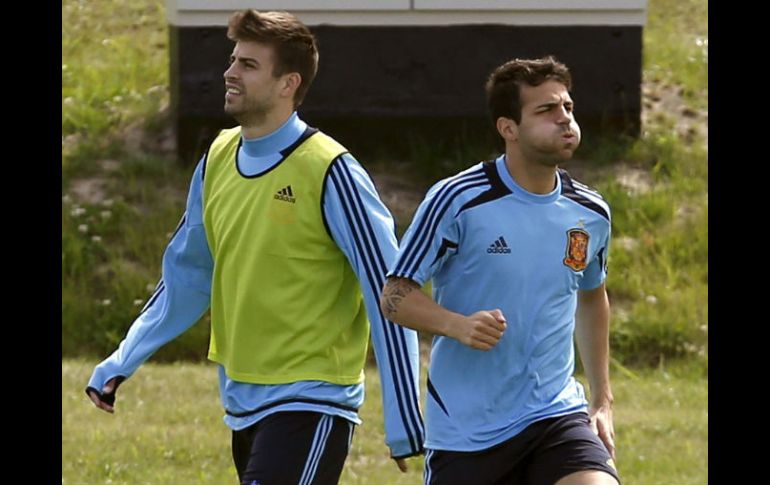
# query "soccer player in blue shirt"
(517, 252)
(287, 241)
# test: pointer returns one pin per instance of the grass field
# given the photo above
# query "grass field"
(168, 430)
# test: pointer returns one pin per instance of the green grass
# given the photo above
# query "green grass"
(114, 72)
(658, 281)
(111, 253)
(115, 88)
(676, 46)
(167, 429)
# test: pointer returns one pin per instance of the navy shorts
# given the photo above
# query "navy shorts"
(292, 447)
(542, 454)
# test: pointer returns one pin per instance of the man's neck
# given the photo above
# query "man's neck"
(271, 122)
(533, 177)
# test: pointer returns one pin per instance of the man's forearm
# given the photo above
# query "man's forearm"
(403, 302)
(592, 336)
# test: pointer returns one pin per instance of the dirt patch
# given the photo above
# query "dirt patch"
(138, 138)
(91, 190)
(119, 268)
(665, 103)
(635, 180)
(626, 243)
(109, 165)
(156, 139)
(687, 212)
(399, 195)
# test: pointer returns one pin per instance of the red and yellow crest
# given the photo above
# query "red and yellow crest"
(577, 249)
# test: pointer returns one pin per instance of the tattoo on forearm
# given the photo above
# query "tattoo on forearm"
(396, 290)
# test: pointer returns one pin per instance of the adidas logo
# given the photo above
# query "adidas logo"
(499, 246)
(285, 194)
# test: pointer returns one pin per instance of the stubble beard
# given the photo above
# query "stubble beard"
(253, 112)
(550, 156)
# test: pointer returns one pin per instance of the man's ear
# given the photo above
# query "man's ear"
(289, 84)
(508, 129)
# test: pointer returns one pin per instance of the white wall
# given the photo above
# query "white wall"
(419, 12)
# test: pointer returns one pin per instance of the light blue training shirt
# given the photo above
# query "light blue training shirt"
(487, 243)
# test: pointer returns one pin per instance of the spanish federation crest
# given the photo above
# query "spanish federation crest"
(577, 249)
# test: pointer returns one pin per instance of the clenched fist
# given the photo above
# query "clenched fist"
(482, 330)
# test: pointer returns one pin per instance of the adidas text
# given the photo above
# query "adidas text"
(500, 246)
(285, 198)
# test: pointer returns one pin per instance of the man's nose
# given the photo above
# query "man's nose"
(230, 72)
(564, 116)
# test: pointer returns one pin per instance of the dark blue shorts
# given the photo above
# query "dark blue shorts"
(542, 454)
(293, 447)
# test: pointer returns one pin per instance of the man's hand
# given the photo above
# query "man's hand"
(601, 424)
(482, 330)
(106, 400)
(401, 462)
